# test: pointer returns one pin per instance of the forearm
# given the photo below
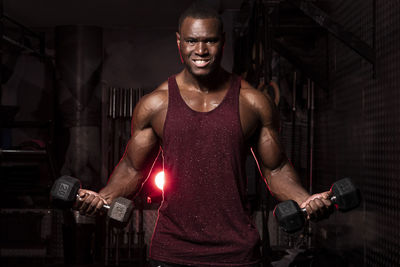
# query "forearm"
(125, 181)
(285, 184)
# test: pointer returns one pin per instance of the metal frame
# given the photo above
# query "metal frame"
(283, 51)
(25, 32)
(348, 38)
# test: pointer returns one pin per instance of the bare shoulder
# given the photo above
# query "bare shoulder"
(151, 105)
(256, 100)
(156, 99)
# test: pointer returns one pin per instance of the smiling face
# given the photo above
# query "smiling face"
(200, 42)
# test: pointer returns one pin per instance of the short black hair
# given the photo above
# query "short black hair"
(200, 10)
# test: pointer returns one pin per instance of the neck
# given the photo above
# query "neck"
(207, 83)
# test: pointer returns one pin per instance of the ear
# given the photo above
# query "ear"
(178, 39)
(178, 43)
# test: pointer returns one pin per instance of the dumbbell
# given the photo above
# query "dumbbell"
(291, 218)
(65, 191)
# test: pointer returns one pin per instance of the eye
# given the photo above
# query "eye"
(212, 41)
(191, 41)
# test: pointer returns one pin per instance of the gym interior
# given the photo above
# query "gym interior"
(72, 72)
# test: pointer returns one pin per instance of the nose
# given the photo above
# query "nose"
(201, 49)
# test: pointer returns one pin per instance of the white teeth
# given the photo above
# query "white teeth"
(201, 63)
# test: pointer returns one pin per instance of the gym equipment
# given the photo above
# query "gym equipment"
(65, 191)
(291, 218)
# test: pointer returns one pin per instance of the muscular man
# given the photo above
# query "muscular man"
(205, 120)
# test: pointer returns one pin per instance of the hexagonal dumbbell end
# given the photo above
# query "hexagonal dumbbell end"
(64, 190)
(120, 212)
(345, 195)
(289, 215)
(291, 218)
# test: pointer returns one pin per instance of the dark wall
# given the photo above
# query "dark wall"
(357, 131)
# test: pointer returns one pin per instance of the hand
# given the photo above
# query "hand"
(318, 206)
(89, 202)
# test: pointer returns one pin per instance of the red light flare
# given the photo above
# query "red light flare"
(160, 180)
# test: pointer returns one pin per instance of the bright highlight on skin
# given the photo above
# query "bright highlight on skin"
(160, 179)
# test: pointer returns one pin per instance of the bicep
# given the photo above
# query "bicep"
(141, 151)
(269, 150)
(280, 175)
(143, 144)
(142, 148)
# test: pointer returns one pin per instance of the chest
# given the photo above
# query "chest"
(202, 102)
(247, 118)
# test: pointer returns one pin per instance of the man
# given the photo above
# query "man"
(205, 120)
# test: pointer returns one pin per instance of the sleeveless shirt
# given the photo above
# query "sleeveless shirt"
(204, 219)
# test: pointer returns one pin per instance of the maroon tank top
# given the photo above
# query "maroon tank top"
(204, 218)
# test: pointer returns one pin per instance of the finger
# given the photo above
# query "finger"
(316, 209)
(327, 195)
(309, 211)
(97, 208)
(330, 208)
(86, 204)
(326, 209)
(315, 204)
(79, 200)
(92, 206)
(320, 204)
(81, 193)
(327, 202)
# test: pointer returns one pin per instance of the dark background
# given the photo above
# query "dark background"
(340, 62)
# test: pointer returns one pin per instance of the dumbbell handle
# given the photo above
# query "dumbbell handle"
(345, 196)
(294, 220)
(333, 199)
(106, 206)
(65, 192)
